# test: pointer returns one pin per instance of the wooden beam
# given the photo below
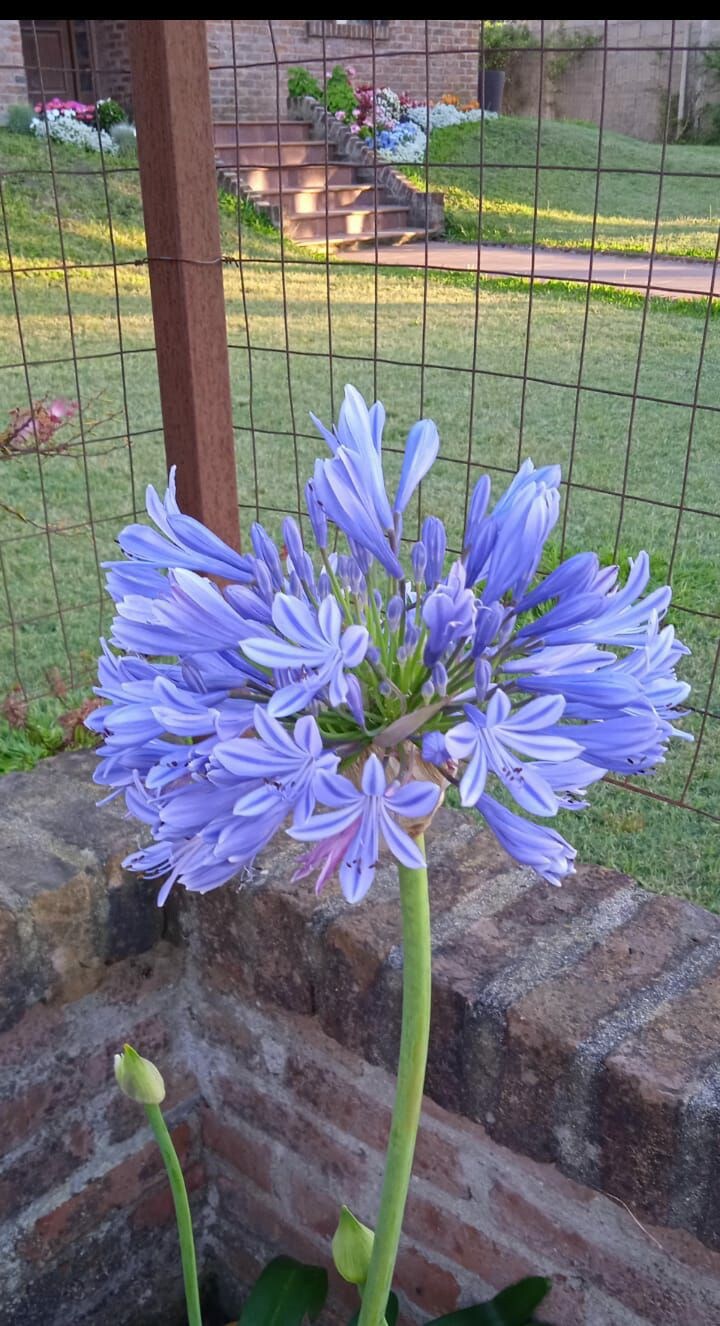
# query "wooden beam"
(171, 100)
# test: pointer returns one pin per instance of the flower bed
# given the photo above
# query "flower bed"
(79, 123)
(391, 123)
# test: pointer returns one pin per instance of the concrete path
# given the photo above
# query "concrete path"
(672, 277)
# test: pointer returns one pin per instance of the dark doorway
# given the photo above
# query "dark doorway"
(58, 57)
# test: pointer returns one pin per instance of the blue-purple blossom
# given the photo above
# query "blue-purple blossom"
(492, 741)
(180, 541)
(358, 819)
(312, 644)
(285, 762)
(237, 688)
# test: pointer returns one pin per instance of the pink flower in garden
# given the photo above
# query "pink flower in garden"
(340, 115)
(350, 70)
(61, 408)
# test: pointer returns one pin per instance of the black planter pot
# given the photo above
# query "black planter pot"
(490, 89)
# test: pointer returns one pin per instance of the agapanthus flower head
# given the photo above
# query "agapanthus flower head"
(334, 694)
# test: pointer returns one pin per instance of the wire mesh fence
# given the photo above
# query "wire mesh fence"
(605, 358)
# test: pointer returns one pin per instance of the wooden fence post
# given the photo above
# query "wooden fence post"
(171, 99)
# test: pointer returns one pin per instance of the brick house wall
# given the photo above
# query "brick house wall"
(399, 60)
(112, 60)
(638, 71)
(13, 84)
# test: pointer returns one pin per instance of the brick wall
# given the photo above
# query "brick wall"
(112, 60)
(638, 71)
(572, 1109)
(13, 84)
(399, 60)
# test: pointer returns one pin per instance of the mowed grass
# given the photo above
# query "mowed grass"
(629, 194)
(427, 358)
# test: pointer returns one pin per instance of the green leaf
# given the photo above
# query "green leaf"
(391, 1312)
(513, 1306)
(284, 1294)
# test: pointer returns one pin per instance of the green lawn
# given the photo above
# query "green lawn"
(667, 849)
(568, 157)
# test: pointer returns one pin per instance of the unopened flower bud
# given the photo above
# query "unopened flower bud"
(264, 582)
(394, 612)
(138, 1078)
(427, 690)
(265, 551)
(317, 516)
(433, 536)
(418, 557)
(483, 677)
(293, 543)
(352, 1247)
(440, 678)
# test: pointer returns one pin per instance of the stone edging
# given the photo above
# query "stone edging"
(425, 210)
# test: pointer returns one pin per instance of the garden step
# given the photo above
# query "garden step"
(264, 179)
(345, 222)
(298, 180)
(313, 201)
(260, 131)
(272, 154)
(363, 240)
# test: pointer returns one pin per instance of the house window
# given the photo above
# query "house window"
(353, 29)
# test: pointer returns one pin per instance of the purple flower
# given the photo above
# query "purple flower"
(491, 741)
(196, 730)
(313, 645)
(359, 817)
(182, 541)
(421, 449)
(434, 541)
(277, 761)
(534, 845)
(317, 516)
(191, 615)
(351, 487)
(448, 612)
(523, 517)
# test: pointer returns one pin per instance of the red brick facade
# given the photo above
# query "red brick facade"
(13, 85)
(262, 51)
(112, 59)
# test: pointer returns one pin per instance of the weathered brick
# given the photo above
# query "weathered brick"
(432, 1287)
(477, 974)
(250, 1155)
(648, 1080)
(157, 1208)
(441, 1231)
(547, 1027)
(46, 1163)
(297, 1133)
(117, 1189)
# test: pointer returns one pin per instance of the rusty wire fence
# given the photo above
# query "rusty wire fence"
(608, 361)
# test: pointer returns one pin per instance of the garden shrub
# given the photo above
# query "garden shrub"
(301, 83)
(19, 119)
(108, 113)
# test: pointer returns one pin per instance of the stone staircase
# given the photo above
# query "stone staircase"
(304, 184)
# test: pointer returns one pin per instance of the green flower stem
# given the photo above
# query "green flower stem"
(415, 904)
(182, 1212)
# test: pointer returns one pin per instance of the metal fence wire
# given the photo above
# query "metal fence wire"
(565, 309)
